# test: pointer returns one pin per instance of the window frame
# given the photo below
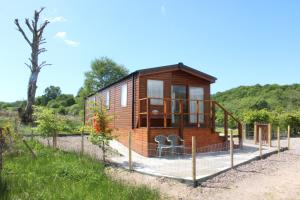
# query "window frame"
(124, 93)
(107, 100)
(156, 102)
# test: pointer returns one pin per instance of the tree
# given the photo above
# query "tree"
(48, 123)
(50, 93)
(34, 66)
(104, 71)
(100, 133)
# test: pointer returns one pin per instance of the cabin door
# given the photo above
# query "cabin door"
(196, 95)
(178, 92)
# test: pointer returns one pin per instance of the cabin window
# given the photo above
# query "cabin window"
(107, 100)
(196, 95)
(155, 89)
(124, 95)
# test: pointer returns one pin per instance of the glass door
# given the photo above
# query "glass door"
(196, 94)
(178, 92)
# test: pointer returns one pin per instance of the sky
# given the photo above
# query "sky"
(240, 42)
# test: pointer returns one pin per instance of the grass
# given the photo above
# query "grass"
(61, 175)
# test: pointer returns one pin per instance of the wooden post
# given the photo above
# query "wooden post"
(255, 133)
(213, 110)
(148, 114)
(198, 124)
(231, 148)
(278, 139)
(241, 137)
(165, 113)
(244, 131)
(289, 137)
(129, 152)
(194, 160)
(270, 134)
(260, 142)
(226, 125)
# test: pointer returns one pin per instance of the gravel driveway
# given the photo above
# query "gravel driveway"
(276, 177)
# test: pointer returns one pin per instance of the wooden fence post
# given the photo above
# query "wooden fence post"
(260, 142)
(129, 152)
(255, 133)
(231, 148)
(289, 137)
(278, 139)
(270, 134)
(194, 160)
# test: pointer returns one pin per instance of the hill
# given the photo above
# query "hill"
(275, 98)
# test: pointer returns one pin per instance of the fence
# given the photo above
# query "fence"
(198, 163)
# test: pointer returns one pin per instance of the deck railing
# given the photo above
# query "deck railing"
(171, 112)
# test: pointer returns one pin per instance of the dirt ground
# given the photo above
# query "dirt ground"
(274, 178)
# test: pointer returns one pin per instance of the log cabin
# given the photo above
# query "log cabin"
(173, 99)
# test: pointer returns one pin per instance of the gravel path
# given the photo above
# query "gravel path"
(276, 177)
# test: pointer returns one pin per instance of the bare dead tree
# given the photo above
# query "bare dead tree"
(34, 65)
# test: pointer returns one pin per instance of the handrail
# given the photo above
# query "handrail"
(220, 106)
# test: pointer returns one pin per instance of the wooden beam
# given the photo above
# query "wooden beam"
(165, 113)
(198, 124)
(226, 125)
(148, 114)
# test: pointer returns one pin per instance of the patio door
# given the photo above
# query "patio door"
(178, 92)
(196, 93)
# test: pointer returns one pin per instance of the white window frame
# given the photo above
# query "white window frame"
(123, 95)
(158, 102)
(107, 100)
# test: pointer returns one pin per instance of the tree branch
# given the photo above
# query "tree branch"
(43, 64)
(28, 25)
(29, 66)
(22, 32)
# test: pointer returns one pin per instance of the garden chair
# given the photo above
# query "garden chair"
(176, 142)
(161, 144)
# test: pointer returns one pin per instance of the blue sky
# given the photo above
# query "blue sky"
(240, 42)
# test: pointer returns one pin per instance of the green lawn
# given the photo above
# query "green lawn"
(60, 175)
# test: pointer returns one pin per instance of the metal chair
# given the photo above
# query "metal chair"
(161, 144)
(176, 142)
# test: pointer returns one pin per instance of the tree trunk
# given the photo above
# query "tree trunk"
(27, 116)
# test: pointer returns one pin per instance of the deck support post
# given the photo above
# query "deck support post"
(231, 148)
(260, 142)
(194, 148)
(255, 133)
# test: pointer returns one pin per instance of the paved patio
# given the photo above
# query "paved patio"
(207, 164)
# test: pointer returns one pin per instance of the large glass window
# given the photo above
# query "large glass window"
(124, 95)
(196, 94)
(107, 100)
(155, 89)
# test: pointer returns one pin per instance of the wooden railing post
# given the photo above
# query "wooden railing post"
(181, 113)
(289, 137)
(165, 113)
(194, 147)
(241, 137)
(198, 124)
(139, 115)
(148, 114)
(226, 125)
(213, 110)
(260, 142)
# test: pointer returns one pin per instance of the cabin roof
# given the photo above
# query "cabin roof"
(179, 66)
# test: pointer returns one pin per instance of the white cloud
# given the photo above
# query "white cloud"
(72, 43)
(60, 35)
(163, 9)
(57, 19)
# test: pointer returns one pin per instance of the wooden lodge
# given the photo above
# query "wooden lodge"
(173, 99)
